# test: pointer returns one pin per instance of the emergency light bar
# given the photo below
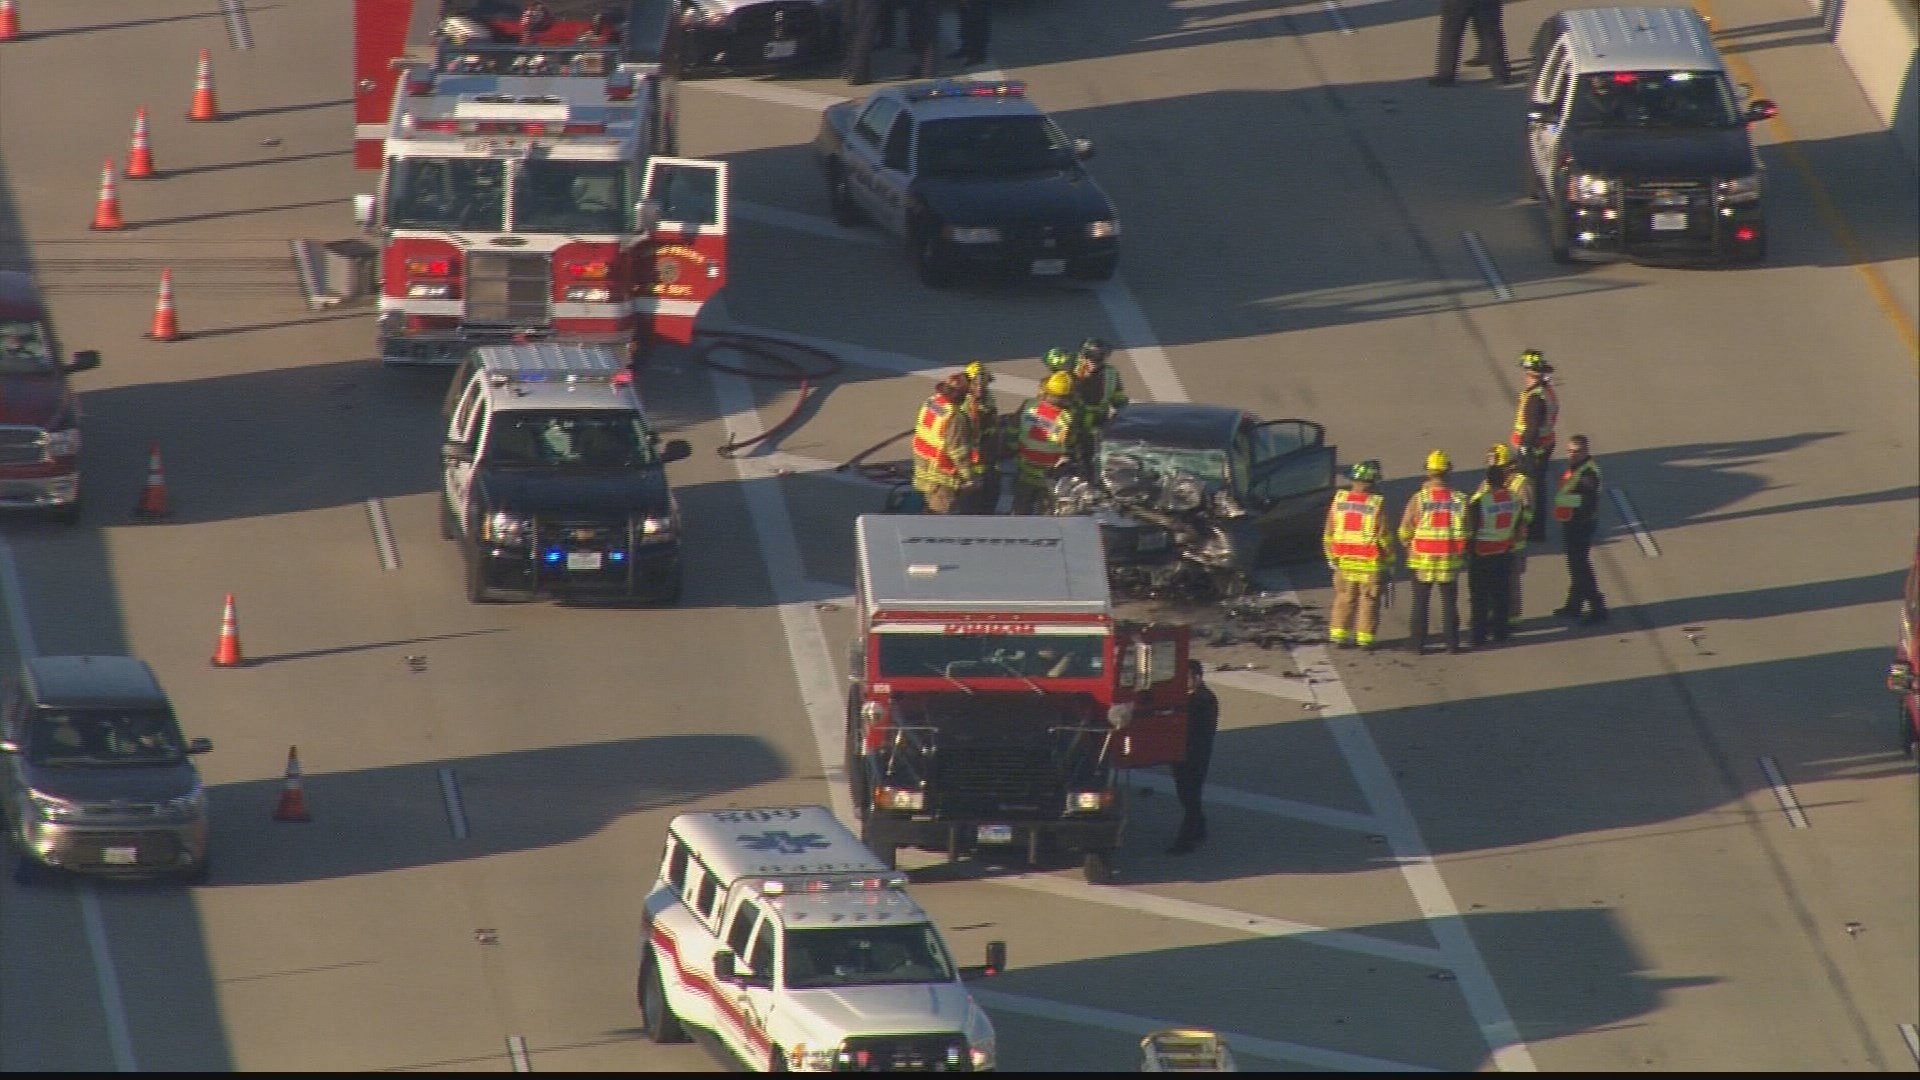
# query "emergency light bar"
(782, 887)
(508, 107)
(502, 127)
(953, 88)
(622, 377)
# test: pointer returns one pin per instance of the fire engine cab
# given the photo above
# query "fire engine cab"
(526, 188)
(996, 699)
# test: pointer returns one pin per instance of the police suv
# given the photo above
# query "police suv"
(776, 931)
(554, 481)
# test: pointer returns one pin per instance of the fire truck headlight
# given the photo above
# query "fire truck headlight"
(589, 294)
(429, 291)
(1103, 230)
(1590, 190)
(888, 798)
(656, 530)
(982, 235)
(505, 528)
(1088, 802)
(63, 443)
(873, 712)
(1121, 716)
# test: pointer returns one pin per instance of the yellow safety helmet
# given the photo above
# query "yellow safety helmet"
(1058, 384)
(977, 372)
(1439, 462)
(1500, 455)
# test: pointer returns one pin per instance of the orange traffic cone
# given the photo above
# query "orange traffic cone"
(165, 326)
(106, 211)
(153, 499)
(140, 156)
(227, 652)
(293, 800)
(203, 105)
(9, 21)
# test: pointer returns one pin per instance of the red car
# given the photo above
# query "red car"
(39, 412)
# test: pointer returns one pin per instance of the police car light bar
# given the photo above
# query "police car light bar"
(623, 377)
(947, 88)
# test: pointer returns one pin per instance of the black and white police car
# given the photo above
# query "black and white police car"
(974, 177)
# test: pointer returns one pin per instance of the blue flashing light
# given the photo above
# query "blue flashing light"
(553, 555)
(616, 556)
(953, 88)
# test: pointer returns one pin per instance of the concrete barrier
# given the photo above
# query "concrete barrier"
(1879, 40)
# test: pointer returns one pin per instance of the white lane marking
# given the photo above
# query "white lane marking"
(1141, 1026)
(517, 1053)
(1346, 820)
(1783, 793)
(1911, 1036)
(826, 592)
(1632, 517)
(811, 224)
(1481, 258)
(456, 807)
(1339, 17)
(383, 535)
(1245, 922)
(1137, 338)
(105, 977)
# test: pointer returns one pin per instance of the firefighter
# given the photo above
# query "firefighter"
(989, 434)
(1526, 503)
(1190, 773)
(1058, 360)
(1046, 439)
(1493, 520)
(1533, 422)
(1096, 385)
(945, 454)
(1433, 531)
(1576, 505)
(1359, 550)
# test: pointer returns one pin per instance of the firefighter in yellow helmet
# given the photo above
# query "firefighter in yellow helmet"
(1493, 520)
(1359, 547)
(1533, 428)
(989, 430)
(1433, 532)
(946, 458)
(1526, 503)
(1046, 439)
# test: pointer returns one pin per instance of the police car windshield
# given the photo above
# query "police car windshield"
(96, 737)
(1654, 99)
(864, 956)
(24, 349)
(572, 196)
(582, 439)
(447, 193)
(976, 146)
(991, 656)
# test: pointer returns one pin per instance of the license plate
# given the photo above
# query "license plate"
(1669, 221)
(995, 834)
(584, 560)
(780, 50)
(1049, 267)
(118, 856)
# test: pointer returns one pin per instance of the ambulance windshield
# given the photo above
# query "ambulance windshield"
(864, 956)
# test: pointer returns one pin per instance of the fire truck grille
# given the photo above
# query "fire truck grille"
(20, 445)
(508, 289)
(903, 1053)
(995, 779)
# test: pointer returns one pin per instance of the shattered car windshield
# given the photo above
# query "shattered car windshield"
(1160, 462)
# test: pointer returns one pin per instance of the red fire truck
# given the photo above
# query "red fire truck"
(1901, 678)
(527, 185)
(996, 698)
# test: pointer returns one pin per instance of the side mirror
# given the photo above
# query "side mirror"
(1762, 109)
(8, 746)
(84, 360)
(454, 450)
(675, 450)
(363, 210)
(647, 215)
(723, 967)
(200, 746)
(1083, 148)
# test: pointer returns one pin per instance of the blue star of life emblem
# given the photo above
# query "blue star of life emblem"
(785, 842)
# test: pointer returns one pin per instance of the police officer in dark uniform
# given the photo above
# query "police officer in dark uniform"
(976, 26)
(1190, 775)
(923, 34)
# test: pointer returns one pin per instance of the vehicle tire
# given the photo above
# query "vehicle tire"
(670, 596)
(1559, 234)
(27, 871)
(201, 873)
(777, 1061)
(846, 212)
(68, 515)
(888, 854)
(477, 590)
(1102, 270)
(656, 1015)
(1909, 738)
(449, 525)
(1097, 868)
(935, 273)
(857, 788)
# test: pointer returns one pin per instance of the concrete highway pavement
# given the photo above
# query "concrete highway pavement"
(1583, 816)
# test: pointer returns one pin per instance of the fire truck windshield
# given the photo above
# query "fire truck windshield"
(447, 193)
(557, 196)
(988, 656)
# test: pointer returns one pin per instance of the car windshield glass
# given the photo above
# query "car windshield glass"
(1118, 458)
(447, 193)
(104, 736)
(992, 146)
(24, 349)
(990, 656)
(864, 956)
(1647, 99)
(572, 196)
(583, 439)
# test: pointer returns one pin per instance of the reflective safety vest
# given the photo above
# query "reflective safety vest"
(1100, 408)
(1543, 438)
(932, 466)
(1499, 514)
(1567, 497)
(1044, 428)
(1521, 486)
(1356, 533)
(1437, 550)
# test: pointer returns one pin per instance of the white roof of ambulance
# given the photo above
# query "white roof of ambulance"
(947, 562)
(771, 841)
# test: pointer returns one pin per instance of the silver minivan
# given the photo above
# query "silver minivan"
(95, 775)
